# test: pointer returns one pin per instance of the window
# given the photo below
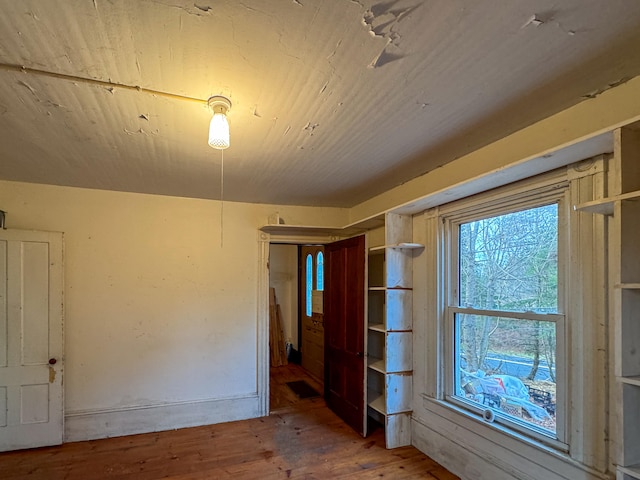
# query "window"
(504, 314)
(320, 271)
(313, 278)
(309, 283)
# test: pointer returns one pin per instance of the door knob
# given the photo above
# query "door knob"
(52, 361)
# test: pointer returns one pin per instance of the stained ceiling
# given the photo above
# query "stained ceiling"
(334, 101)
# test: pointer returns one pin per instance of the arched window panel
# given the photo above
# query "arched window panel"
(320, 271)
(309, 284)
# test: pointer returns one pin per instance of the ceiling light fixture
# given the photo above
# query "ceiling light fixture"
(219, 127)
(219, 139)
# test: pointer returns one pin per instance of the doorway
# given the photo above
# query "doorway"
(311, 309)
(332, 346)
(296, 273)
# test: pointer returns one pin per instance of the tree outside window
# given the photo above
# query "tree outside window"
(506, 314)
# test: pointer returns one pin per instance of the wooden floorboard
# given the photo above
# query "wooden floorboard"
(301, 439)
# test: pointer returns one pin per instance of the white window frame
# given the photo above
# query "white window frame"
(452, 217)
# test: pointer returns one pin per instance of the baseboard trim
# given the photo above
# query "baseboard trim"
(91, 425)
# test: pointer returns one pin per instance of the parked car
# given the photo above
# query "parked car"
(508, 394)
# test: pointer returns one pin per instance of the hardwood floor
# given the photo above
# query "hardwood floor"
(281, 396)
(301, 439)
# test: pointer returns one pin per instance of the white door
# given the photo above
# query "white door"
(30, 339)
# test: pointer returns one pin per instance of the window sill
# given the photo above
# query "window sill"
(492, 430)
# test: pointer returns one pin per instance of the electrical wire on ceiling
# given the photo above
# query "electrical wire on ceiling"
(102, 83)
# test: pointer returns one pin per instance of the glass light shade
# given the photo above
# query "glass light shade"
(219, 131)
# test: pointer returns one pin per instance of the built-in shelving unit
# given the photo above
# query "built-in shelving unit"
(390, 330)
(623, 207)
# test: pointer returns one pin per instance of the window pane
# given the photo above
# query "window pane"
(309, 285)
(508, 365)
(320, 272)
(510, 262)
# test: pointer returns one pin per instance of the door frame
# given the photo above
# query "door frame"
(262, 360)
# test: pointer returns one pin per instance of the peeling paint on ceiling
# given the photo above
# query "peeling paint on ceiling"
(334, 101)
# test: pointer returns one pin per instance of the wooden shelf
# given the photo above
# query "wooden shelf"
(604, 206)
(311, 230)
(378, 288)
(384, 289)
(379, 327)
(628, 286)
(301, 230)
(405, 245)
(631, 380)
(377, 364)
(633, 471)
(378, 403)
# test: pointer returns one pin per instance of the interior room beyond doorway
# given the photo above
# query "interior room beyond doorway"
(296, 273)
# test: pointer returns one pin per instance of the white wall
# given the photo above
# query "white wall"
(283, 276)
(160, 318)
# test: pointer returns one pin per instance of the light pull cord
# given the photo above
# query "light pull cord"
(221, 196)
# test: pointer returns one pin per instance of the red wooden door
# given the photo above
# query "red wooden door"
(344, 327)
